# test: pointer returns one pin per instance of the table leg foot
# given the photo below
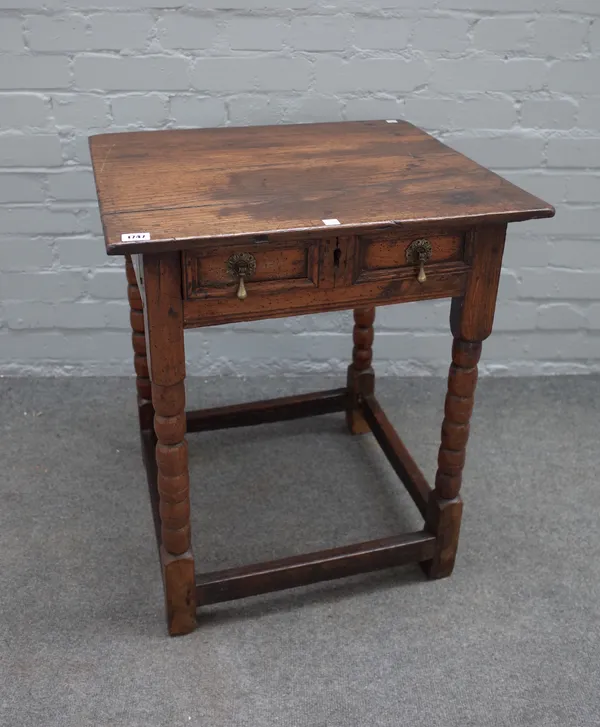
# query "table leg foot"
(443, 519)
(180, 592)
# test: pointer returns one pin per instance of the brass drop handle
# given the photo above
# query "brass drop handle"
(241, 265)
(242, 293)
(421, 277)
(418, 253)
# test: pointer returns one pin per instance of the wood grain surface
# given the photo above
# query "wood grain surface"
(189, 186)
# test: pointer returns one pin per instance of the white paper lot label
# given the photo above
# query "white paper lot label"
(135, 236)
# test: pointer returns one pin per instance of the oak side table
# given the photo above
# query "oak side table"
(237, 224)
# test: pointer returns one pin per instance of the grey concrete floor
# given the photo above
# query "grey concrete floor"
(511, 639)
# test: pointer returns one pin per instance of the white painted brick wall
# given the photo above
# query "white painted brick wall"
(515, 84)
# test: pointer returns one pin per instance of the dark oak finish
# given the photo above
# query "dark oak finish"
(472, 316)
(360, 379)
(279, 268)
(313, 273)
(401, 289)
(144, 390)
(230, 226)
(300, 570)
(267, 411)
(471, 320)
(138, 338)
(384, 253)
(186, 187)
(162, 279)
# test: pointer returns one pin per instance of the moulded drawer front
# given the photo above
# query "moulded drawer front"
(331, 273)
(389, 254)
(270, 268)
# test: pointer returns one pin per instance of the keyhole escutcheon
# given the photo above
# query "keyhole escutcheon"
(337, 254)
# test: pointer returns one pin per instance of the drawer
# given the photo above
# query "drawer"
(266, 269)
(305, 275)
(385, 254)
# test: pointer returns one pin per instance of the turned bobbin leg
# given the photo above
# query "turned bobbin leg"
(138, 339)
(143, 386)
(162, 273)
(445, 505)
(471, 320)
(361, 379)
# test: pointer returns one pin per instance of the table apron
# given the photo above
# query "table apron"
(213, 311)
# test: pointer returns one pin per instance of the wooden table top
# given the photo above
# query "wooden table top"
(187, 186)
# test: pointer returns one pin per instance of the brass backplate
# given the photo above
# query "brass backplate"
(241, 265)
(419, 251)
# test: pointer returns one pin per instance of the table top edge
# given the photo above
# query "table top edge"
(158, 245)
